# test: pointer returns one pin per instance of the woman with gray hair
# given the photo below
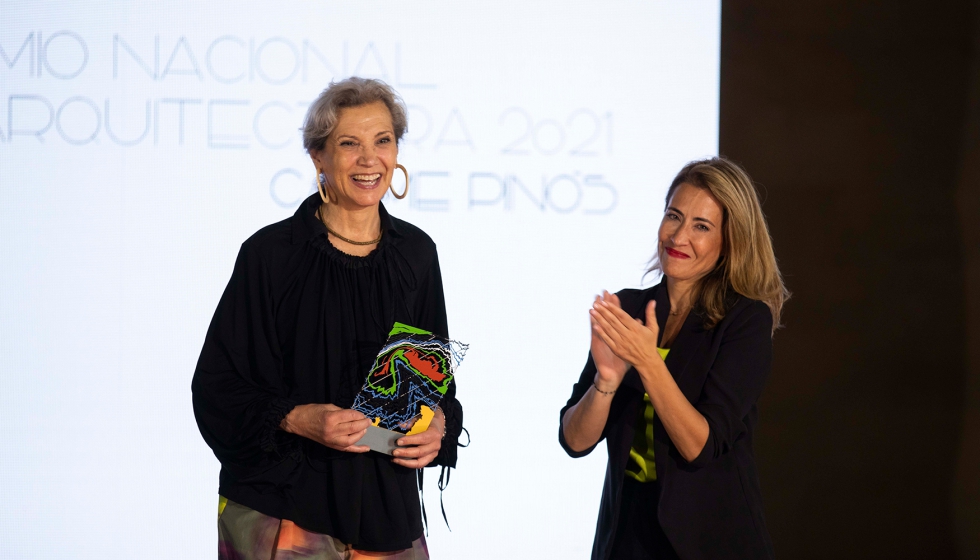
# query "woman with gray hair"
(308, 306)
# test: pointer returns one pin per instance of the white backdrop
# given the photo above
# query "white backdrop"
(142, 142)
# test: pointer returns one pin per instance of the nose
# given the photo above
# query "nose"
(680, 235)
(368, 156)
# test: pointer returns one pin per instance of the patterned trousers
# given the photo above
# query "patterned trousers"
(245, 534)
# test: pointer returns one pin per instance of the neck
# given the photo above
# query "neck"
(355, 223)
(680, 292)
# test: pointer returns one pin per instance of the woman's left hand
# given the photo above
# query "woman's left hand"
(417, 451)
(628, 338)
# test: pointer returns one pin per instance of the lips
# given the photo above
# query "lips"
(676, 254)
(366, 180)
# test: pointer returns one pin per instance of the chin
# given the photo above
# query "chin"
(678, 272)
(362, 197)
(670, 269)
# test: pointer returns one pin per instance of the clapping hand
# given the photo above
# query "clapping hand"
(610, 368)
(629, 339)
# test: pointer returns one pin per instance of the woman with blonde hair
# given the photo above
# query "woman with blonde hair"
(673, 377)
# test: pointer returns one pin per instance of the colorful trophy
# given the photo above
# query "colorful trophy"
(409, 378)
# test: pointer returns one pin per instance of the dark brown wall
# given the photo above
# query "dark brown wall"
(966, 486)
(853, 117)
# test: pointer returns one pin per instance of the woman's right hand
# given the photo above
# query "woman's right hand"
(610, 368)
(337, 428)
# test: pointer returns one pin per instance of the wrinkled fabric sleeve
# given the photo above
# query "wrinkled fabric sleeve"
(735, 380)
(431, 310)
(238, 393)
(578, 391)
(632, 303)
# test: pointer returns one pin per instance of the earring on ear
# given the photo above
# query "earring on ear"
(321, 187)
(391, 187)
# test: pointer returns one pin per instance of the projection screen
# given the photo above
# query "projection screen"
(142, 142)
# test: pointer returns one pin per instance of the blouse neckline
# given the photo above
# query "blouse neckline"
(306, 226)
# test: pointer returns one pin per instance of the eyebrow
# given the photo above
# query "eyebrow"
(382, 133)
(705, 220)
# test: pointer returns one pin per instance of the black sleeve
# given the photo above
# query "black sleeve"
(578, 391)
(735, 380)
(432, 316)
(632, 302)
(238, 394)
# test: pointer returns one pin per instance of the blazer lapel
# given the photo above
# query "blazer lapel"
(686, 346)
(691, 343)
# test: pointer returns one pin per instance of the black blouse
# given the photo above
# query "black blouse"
(301, 322)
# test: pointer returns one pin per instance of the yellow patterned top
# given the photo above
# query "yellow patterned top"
(642, 467)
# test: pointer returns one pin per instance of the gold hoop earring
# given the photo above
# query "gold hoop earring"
(321, 187)
(391, 187)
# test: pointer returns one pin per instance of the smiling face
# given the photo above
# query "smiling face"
(359, 156)
(690, 236)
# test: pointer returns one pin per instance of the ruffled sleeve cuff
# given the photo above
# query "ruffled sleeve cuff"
(454, 427)
(274, 440)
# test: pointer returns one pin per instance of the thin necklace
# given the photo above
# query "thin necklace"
(344, 239)
(678, 311)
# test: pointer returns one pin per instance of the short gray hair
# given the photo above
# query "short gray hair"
(322, 117)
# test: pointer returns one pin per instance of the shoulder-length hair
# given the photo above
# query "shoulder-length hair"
(747, 264)
(322, 116)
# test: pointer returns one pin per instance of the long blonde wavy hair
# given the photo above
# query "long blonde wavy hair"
(747, 265)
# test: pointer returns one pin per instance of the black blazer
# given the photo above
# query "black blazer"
(711, 507)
